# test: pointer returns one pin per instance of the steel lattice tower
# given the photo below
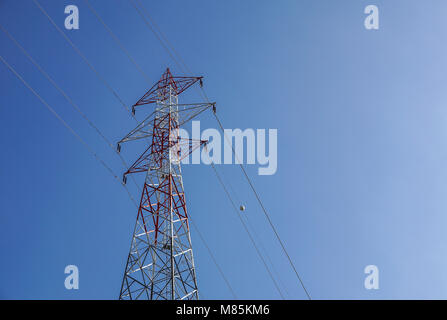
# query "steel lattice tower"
(160, 264)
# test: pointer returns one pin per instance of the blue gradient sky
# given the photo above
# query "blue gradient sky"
(362, 174)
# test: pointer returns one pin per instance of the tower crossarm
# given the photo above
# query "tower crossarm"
(184, 113)
(159, 91)
(181, 148)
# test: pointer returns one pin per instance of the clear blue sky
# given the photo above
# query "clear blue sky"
(361, 119)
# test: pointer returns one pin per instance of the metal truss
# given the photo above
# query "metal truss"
(168, 83)
(160, 264)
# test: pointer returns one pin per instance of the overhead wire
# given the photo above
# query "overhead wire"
(119, 99)
(66, 96)
(67, 126)
(148, 25)
(265, 212)
(213, 258)
(257, 238)
(76, 49)
(102, 162)
(247, 231)
(118, 42)
(99, 75)
(147, 78)
(227, 140)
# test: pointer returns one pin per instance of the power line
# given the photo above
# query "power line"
(174, 59)
(66, 96)
(258, 239)
(264, 210)
(139, 68)
(163, 37)
(97, 73)
(117, 41)
(87, 119)
(213, 258)
(89, 64)
(153, 31)
(274, 271)
(107, 84)
(87, 146)
(76, 49)
(246, 230)
(175, 56)
(240, 164)
(66, 125)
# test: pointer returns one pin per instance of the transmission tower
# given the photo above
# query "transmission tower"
(160, 264)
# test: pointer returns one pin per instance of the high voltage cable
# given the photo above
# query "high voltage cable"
(67, 97)
(121, 101)
(89, 148)
(265, 211)
(202, 92)
(90, 65)
(240, 164)
(213, 258)
(76, 49)
(147, 78)
(153, 31)
(118, 42)
(163, 36)
(66, 125)
(258, 238)
(246, 230)
(108, 142)
(247, 178)
(175, 56)
(119, 98)
(274, 271)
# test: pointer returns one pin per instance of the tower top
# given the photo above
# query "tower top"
(160, 90)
